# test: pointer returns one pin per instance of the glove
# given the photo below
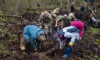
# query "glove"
(22, 47)
(70, 44)
(55, 25)
(46, 26)
(60, 47)
(35, 49)
(40, 26)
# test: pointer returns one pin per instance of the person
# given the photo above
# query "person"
(38, 4)
(93, 9)
(60, 20)
(54, 12)
(32, 33)
(85, 3)
(80, 26)
(72, 9)
(46, 20)
(71, 17)
(82, 10)
(96, 22)
(69, 34)
(92, 2)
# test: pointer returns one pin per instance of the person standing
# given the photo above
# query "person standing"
(82, 10)
(72, 9)
(46, 20)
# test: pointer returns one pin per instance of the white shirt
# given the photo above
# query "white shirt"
(73, 35)
(93, 19)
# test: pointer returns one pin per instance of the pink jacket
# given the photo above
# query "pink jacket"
(79, 24)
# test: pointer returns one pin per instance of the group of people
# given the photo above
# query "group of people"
(68, 34)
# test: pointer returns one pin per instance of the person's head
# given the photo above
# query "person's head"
(46, 14)
(72, 3)
(81, 4)
(58, 35)
(71, 16)
(65, 15)
(57, 9)
(42, 37)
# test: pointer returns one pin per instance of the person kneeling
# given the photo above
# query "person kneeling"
(33, 34)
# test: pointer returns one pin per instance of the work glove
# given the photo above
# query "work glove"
(70, 44)
(55, 25)
(35, 49)
(40, 27)
(22, 47)
(46, 26)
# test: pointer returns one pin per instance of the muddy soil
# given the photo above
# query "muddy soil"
(82, 48)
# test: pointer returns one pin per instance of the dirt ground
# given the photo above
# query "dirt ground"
(84, 49)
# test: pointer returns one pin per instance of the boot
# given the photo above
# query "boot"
(67, 52)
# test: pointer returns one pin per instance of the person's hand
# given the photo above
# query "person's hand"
(70, 44)
(22, 47)
(40, 26)
(61, 26)
(80, 38)
(60, 47)
(35, 49)
(56, 25)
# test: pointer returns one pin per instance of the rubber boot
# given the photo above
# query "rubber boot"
(28, 48)
(67, 52)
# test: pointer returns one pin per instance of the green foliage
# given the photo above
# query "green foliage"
(1, 12)
(94, 57)
(97, 41)
(1, 16)
(11, 36)
(94, 30)
(2, 48)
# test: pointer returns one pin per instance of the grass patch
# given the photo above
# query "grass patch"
(94, 30)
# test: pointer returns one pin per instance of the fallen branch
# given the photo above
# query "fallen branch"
(50, 51)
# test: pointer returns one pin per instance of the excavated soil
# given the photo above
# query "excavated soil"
(82, 48)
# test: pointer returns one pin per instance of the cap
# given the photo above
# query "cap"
(65, 15)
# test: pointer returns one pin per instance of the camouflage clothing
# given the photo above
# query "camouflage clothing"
(54, 13)
(44, 20)
(60, 18)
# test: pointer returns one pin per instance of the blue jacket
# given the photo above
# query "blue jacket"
(68, 32)
(31, 32)
(82, 8)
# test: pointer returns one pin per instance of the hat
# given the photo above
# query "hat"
(59, 34)
(65, 15)
(42, 36)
